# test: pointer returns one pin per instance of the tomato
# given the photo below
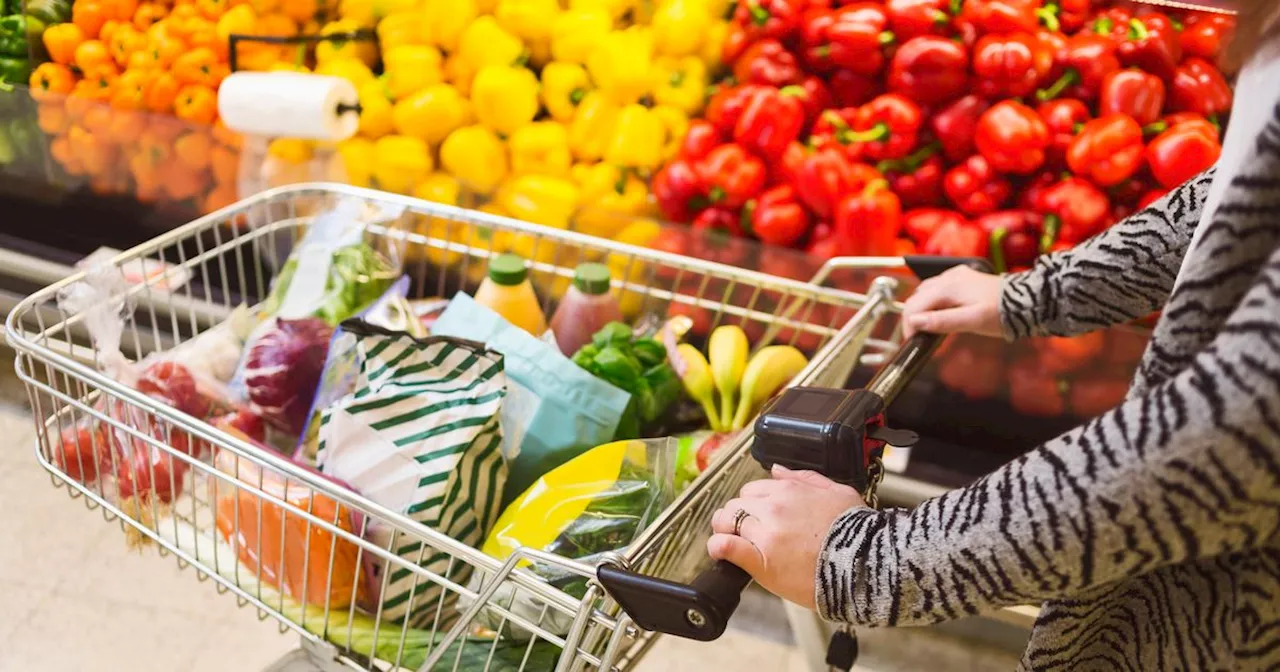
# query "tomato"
(74, 453)
(707, 451)
(173, 383)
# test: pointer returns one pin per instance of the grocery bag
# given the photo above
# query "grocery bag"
(421, 436)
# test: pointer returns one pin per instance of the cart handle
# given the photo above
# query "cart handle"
(701, 610)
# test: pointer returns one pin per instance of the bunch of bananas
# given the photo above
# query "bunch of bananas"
(741, 386)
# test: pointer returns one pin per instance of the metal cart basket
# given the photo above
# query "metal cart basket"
(229, 258)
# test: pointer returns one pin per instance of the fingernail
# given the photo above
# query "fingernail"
(779, 469)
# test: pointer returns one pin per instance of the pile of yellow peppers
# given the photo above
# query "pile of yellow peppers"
(551, 111)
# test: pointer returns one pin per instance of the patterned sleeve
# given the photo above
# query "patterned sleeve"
(1073, 291)
(1189, 469)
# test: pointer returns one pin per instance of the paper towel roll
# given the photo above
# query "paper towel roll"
(289, 104)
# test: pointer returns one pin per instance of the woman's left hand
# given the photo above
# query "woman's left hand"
(780, 539)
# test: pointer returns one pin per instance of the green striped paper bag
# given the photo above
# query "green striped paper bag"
(420, 435)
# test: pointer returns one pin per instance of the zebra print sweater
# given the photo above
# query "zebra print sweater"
(1151, 534)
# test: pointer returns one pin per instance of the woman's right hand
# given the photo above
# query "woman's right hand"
(959, 300)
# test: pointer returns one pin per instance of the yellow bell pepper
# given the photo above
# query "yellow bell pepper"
(431, 114)
(400, 29)
(676, 124)
(638, 139)
(541, 148)
(640, 232)
(614, 8)
(357, 158)
(529, 20)
(622, 64)
(400, 162)
(367, 13)
(564, 85)
(350, 69)
(458, 71)
(410, 68)
(438, 188)
(680, 26)
(444, 21)
(592, 127)
(712, 52)
(375, 111)
(484, 42)
(476, 156)
(576, 33)
(681, 83)
(540, 52)
(611, 198)
(290, 150)
(505, 97)
(365, 51)
(541, 199)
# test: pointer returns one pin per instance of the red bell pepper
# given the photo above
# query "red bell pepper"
(827, 243)
(1013, 237)
(735, 43)
(730, 175)
(1065, 16)
(1033, 190)
(1111, 23)
(771, 121)
(921, 223)
(1199, 87)
(717, 236)
(851, 37)
(975, 187)
(768, 62)
(849, 89)
(834, 128)
(786, 170)
(701, 138)
(1204, 35)
(955, 125)
(1064, 118)
(972, 366)
(678, 190)
(1080, 68)
(1035, 392)
(913, 18)
(718, 219)
(1097, 392)
(826, 175)
(1075, 211)
(769, 19)
(887, 127)
(1150, 42)
(814, 95)
(1182, 152)
(916, 179)
(1108, 150)
(727, 104)
(1013, 138)
(1134, 93)
(871, 219)
(930, 69)
(957, 238)
(1150, 197)
(1064, 354)
(777, 217)
(1002, 16)
(1011, 65)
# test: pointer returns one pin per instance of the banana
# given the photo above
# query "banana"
(727, 350)
(698, 384)
(767, 372)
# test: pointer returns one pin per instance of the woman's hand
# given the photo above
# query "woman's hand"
(959, 300)
(781, 538)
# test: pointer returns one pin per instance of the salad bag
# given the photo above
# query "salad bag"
(420, 435)
(597, 502)
(555, 410)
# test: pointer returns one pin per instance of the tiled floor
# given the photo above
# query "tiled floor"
(75, 599)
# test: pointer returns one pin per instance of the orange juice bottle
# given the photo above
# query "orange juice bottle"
(508, 292)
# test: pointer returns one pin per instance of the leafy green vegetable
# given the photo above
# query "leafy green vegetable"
(635, 365)
(357, 277)
(614, 333)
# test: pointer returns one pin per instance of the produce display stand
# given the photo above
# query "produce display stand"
(230, 255)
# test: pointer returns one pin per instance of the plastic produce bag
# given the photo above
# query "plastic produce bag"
(290, 553)
(597, 502)
(421, 436)
(556, 410)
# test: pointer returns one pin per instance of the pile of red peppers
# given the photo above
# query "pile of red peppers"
(997, 128)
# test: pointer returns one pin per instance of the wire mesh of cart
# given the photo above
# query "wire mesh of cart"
(227, 259)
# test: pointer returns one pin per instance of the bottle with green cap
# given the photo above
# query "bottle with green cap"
(508, 292)
(585, 309)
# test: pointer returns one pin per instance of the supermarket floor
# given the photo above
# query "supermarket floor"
(75, 599)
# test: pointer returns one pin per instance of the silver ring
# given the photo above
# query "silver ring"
(739, 516)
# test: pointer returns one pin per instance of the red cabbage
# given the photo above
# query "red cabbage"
(283, 369)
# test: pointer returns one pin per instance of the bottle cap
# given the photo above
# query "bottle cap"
(507, 269)
(591, 278)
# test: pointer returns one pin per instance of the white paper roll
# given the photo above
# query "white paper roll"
(289, 105)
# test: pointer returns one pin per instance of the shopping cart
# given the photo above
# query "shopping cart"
(482, 624)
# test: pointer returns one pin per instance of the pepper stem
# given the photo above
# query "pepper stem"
(1049, 18)
(940, 18)
(878, 132)
(748, 211)
(677, 78)
(576, 95)
(874, 187)
(1068, 79)
(1155, 127)
(1138, 30)
(995, 250)
(887, 37)
(910, 163)
(1104, 26)
(837, 122)
(955, 7)
(1052, 224)
(792, 90)
(716, 194)
(759, 15)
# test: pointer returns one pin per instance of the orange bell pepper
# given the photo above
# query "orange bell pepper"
(51, 79)
(162, 92)
(239, 20)
(91, 54)
(60, 149)
(93, 152)
(164, 48)
(219, 198)
(108, 29)
(98, 83)
(61, 42)
(148, 14)
(198, 66)
(124, 41)
(225, 164)
(197, 104)
(299, 10)
(52, 117)
(213, 9)
(182, 182)
(120, 10)
(194, 149)
(97, 119)
(131, 91)
(88, 16)
(225, 136)
(126, 127)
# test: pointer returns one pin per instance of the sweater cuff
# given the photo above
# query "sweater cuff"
(841, 574)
